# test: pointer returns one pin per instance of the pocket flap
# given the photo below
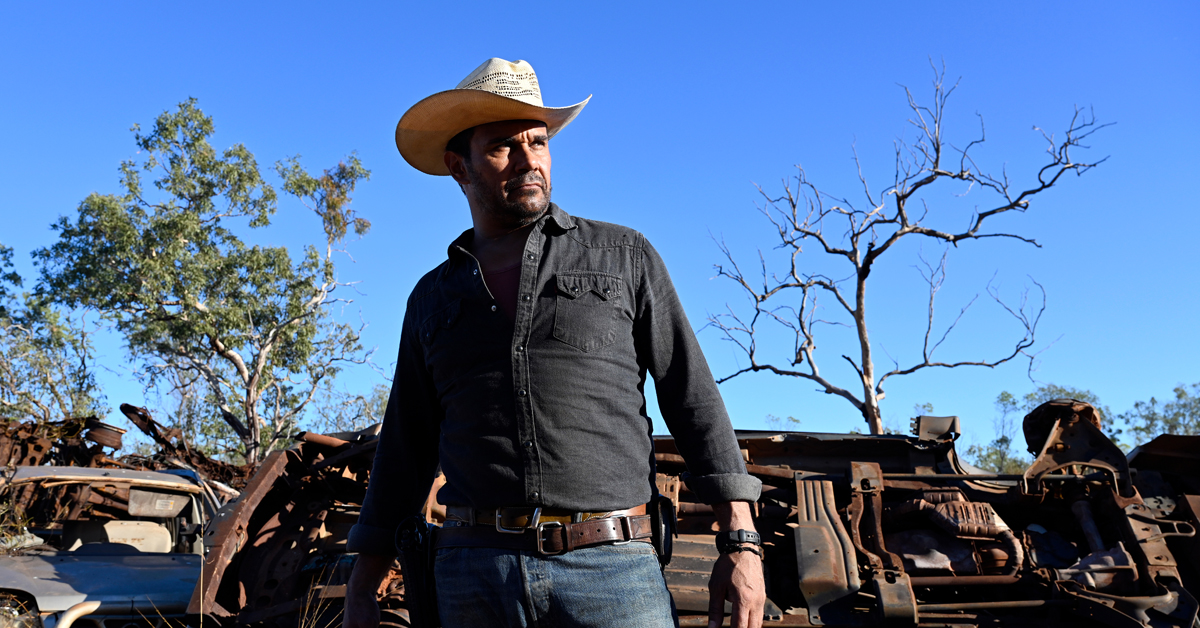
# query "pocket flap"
(442, 319)
(575, 285)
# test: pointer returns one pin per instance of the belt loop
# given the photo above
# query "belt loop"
(471, 519)
(568, 538)
(626, 531)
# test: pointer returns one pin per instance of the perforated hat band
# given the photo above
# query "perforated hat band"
(522, 86)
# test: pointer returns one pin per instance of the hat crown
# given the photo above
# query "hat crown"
(511, 79)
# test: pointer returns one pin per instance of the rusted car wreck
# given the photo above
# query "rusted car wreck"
(96, 541)
(859, 530)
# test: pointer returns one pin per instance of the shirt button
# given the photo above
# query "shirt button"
(528, 444)
(534, 495)
(493, 308)
(521, 393)
(475, 272)
(520, 348)
(531, 256)
(525, 297)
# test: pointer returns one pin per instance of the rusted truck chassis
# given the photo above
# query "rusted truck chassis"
(859, 531)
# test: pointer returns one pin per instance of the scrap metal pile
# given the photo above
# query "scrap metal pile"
(74, 442)
(81, 442)
(276, 555)
(174, 452)
(859, 530)
(866, 530)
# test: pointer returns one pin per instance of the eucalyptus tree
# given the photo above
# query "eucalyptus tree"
(46, 356)
(1179, 414)
(194, 301)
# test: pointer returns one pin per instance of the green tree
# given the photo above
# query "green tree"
(193, 301)
(998, 456)
(344, 411)
(782, 423)
(45, 356)
(1180, 415)
(10, 281)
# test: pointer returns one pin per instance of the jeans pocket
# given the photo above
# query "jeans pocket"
(446, 553)
(587, 308)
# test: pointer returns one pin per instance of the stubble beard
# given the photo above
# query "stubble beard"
(525, 209)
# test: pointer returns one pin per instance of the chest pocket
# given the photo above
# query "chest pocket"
(438, 322)
(587, 309)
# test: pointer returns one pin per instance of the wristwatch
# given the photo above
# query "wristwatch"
(731, 540)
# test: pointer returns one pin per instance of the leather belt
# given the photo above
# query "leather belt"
(518, 517)
(549, 538)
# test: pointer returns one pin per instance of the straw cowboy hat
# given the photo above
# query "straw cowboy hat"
(497, 90)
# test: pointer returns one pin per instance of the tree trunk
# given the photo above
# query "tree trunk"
(253, 426)
(870, 406)
(871, 414)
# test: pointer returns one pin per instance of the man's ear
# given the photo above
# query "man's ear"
(457, 167)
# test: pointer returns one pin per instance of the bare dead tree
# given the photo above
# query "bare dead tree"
(861, 234)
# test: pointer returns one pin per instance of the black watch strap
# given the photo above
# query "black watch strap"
(730, 539)
(743, 548)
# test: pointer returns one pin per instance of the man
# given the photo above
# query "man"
(521, 366)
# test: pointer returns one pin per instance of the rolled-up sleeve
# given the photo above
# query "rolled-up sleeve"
(407, 455)
(688, 398)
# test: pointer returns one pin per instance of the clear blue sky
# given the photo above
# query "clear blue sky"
(694, 104)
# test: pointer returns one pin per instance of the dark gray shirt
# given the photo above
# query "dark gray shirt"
(548, 409)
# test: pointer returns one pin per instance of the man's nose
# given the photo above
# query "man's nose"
(525, 159)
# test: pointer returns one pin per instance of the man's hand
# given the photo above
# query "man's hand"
(362, 603)
(736, 577)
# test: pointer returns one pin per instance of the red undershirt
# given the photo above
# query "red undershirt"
(504, 284)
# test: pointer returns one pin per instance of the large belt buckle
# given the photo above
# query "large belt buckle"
(533, 523)
(537, 531)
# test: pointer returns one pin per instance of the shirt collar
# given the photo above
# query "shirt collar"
(559, 217)
(554, 216)
(461, 244)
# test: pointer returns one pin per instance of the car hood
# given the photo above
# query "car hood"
(135, 582)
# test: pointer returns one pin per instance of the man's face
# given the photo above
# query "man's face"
(508, 175)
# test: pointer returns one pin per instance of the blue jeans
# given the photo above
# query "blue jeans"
(597, 587)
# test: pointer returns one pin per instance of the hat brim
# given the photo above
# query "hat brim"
(424, 130)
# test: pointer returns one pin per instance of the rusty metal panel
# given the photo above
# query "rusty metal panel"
(825, 554)
(894, 594)
(226, 534)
